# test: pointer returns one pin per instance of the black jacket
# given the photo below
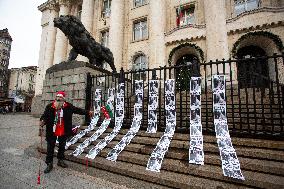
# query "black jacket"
(48, 117)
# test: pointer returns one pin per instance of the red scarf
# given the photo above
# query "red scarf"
(58, 121)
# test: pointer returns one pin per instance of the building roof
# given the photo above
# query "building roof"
(5, 34)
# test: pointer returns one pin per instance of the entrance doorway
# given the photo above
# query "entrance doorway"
(252, 73)
(183, 74)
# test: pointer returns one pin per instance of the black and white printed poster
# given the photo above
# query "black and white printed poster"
(80, 148)
(230, 163)
(136, 123)
(152, 106)
(93, 123)
(119, 115)
(157, 156)
(196, 152)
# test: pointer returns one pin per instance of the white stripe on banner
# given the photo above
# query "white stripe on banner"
(80, 148)
(230, 162)
(157, 156)
(136, 123)
(119, 115)
(152, 106)
(196, 153)
(94, 121)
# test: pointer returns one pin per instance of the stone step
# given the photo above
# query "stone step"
(246, 142)
(264, 166)
(262, 161)
(214, 172)
(253, 150)
(166, 178)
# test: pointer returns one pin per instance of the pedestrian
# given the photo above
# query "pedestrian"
(58, 120)
(7, 109)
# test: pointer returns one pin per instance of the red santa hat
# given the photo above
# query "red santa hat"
(60, 94)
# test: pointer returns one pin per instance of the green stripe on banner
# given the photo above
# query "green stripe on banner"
(109, 110)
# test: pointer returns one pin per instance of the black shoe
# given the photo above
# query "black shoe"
(48, 168)
(61, 163)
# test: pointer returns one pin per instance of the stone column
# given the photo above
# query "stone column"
(157, 37)
(46, 48)
(87, 20)
(61, 40)
(50, 42)
(40, 74)
(116, 31)
(216, 30)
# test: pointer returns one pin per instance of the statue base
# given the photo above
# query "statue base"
(70, 77)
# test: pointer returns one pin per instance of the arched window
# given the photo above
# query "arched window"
(252, 73)
(139, 63)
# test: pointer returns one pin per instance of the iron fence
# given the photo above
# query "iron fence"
(254, 94)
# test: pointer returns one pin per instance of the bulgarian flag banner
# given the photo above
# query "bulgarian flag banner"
(179, 14)
(109, 108)
(107, 111)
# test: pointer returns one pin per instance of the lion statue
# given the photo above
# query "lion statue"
(83, 43)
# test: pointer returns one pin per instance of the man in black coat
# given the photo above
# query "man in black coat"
(58, 120)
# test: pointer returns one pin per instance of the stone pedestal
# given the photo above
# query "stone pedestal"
(70, 77)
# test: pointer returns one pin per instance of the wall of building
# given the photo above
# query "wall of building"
(22, 79)
(5, 48)
(215, 35)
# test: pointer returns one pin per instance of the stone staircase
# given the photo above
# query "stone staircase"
(262, 162)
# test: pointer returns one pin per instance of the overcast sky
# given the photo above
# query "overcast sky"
(22, 18)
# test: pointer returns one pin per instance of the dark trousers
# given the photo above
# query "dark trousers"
(51, 140)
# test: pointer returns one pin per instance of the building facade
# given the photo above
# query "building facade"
(22, 85)
(5, 48)
(152, 33)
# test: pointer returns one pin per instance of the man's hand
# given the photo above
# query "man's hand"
(41, 123)
(91, 113)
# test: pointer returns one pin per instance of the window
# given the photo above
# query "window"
(31, 78)
(79, 12)
(106, 8)
(140, 63)
(245, 5)
(105, 38)
(140, 30)
(138, 3)
(185, 15)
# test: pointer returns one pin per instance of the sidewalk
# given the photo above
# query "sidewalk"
(20, 162)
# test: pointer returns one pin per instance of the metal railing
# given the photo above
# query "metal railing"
(255, 101)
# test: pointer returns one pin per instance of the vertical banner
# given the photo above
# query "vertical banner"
(119, 115)
(230, 162)
(157, 156)
(80, 148)
(152, 106)
(196, 153)
(136, 123)
(94, 121)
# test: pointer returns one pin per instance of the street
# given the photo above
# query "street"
(20, 161)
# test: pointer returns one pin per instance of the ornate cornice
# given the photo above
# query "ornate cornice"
(257, 27)
(190, 45)
(50, 4)
(262, 9)
(276, 39)
(185, 40)
(198, 26)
